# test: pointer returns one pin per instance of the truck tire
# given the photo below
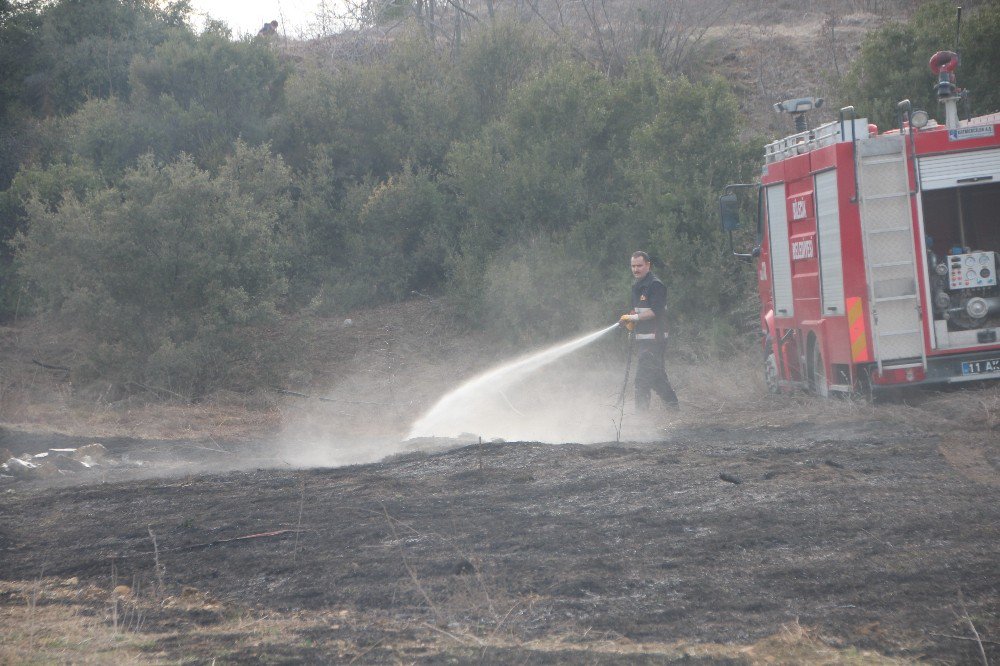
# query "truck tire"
(817, 375)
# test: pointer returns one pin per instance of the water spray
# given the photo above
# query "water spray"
(441, 421)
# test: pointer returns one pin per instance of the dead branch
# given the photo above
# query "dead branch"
(533, 4)
(298, 525)
(962, 638)
(591, 14)
(968, 620)
(61, 368)
(451, 635)
(503, 620)
(157, 567)
(156, 389)
(366, 650)
(463, 10)
(207, 544)
(322, 399)
(413, 575)
(298, 395)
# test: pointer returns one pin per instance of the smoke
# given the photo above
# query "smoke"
(524, 400)
(568, 392)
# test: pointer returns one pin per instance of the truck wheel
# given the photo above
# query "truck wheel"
(817, 380)
(771, 374)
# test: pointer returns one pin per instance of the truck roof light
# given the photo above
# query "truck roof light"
(799, 105)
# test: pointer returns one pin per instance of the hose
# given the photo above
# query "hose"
(621, 396)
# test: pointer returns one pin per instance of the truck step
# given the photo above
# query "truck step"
(889, 299)
(886, 159)
(880, 197)
(902, 364)
(886, 334)
(872, 232)
(892, 264)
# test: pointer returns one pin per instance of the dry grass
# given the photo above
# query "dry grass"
(53, 623)
(38, 399)
(211, 420)
(73, 623)
(732, 392)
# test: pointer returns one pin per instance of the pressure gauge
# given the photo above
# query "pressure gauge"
(972, 270)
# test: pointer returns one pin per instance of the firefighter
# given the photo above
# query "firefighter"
(268, 29)
(649, 321)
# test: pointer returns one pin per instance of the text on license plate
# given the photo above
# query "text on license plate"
(980, 367)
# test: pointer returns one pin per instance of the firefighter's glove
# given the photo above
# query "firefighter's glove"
(628, 321)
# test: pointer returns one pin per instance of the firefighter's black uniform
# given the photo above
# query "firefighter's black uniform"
(651, 342)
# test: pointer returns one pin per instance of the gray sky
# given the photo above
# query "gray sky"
(247, 16)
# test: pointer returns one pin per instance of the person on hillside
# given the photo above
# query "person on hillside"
(649, 320)
(268, 29)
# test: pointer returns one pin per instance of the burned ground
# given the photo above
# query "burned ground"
(746, 529)
(859, 532)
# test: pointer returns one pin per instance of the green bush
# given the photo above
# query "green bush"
(600, 168)
(509, 175)
(405, 226)
(172, 276)
(537, 292)
(201, 92)
(893, 65)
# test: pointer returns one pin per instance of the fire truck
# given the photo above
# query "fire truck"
(877, 251)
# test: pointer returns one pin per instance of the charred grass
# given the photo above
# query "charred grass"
(747, 529)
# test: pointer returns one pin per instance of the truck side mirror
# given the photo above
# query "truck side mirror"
(729, 212)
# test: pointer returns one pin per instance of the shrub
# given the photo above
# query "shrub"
(172, 276)
(893, 62)
(405, 225)
(536, 292)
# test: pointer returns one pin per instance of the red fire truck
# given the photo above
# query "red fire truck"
(877, 251)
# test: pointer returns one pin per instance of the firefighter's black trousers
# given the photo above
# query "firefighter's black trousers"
(651, 375)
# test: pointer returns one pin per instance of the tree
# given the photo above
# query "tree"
(374, 116)
(171, 276)
(199, 93)
(610, 34)
(19, 26)
(680, 161)
(83, 49)
(585, 169)
(495, 61)
(893, 62)
(406, 226)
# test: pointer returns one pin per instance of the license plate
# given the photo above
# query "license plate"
(980, 367)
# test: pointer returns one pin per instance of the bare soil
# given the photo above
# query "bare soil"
(746, 529)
